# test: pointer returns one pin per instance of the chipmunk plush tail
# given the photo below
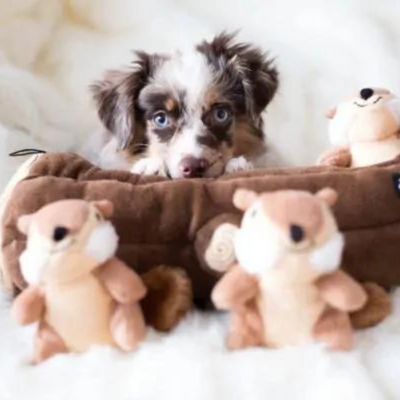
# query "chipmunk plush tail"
(169, 297)
(377, 308)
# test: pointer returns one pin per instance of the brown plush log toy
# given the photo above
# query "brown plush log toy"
(171, 222)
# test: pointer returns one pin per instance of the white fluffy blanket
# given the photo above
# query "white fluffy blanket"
(50, 50)
(192, 364)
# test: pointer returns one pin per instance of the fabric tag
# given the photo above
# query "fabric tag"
(396, 182)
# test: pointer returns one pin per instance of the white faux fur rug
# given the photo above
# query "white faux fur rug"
(50, 50)
(192, 364)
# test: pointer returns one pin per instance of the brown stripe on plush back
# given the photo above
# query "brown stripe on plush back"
(164, 222)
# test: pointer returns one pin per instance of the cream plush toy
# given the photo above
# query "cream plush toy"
(365, 129)
(79, 293)
(287, 288)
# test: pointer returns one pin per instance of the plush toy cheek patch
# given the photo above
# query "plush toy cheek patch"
(327, 258)
(33, 262)
(102, 242)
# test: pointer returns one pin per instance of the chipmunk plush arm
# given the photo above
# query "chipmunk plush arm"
(29, 306)
(336, 157)
(234, 289)
(123, 284)
(342, 292)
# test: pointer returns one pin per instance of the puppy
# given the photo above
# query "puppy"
(188, 114)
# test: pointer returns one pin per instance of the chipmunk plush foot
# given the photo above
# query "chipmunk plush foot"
(47, 343)
(334, 329)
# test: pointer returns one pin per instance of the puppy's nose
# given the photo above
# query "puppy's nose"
(366, 93)
(192, 167)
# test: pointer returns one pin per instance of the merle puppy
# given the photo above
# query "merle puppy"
(187, 114)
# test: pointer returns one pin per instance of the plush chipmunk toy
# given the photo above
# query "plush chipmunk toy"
(365, 129)
(79, 293)
(287, 288)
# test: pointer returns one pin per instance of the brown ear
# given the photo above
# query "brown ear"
(328, 195)
(116, 97)
(24, 223)
(247, 67)
(244, 198)
(106, 207)
(331, 112)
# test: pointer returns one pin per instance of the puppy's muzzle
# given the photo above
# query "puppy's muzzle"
(192, 167)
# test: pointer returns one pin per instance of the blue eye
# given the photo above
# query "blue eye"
(222, 115)
(161, 119)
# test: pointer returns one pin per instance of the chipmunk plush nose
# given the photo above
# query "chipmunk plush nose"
(366, 93)
(192, 167)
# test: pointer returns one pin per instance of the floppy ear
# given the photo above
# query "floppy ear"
(244, 198)
(24, 223)
(106, 207)
(252, 68)
(116, 97)
(331, 112)
(328, 195)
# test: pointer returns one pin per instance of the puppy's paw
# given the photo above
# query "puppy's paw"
(238, 164)
(148, 166)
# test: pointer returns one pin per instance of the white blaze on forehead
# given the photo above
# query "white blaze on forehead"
(187, 143)
(188, 73)
(188, 77)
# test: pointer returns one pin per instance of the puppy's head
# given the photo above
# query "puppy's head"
(193, 110)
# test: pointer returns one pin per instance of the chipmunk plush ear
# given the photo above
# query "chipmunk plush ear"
(24, 223)
(328, 195)
(331, 112)
(106, 207)
(244, 198)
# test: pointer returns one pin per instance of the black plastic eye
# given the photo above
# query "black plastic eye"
(296, 233)
(60, 233)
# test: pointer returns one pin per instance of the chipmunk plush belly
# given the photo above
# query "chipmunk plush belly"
(91, 325)
(289, 304)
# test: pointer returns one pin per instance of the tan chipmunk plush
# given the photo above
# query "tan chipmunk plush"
(365, 129)
(287, 288)
(78, 292)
